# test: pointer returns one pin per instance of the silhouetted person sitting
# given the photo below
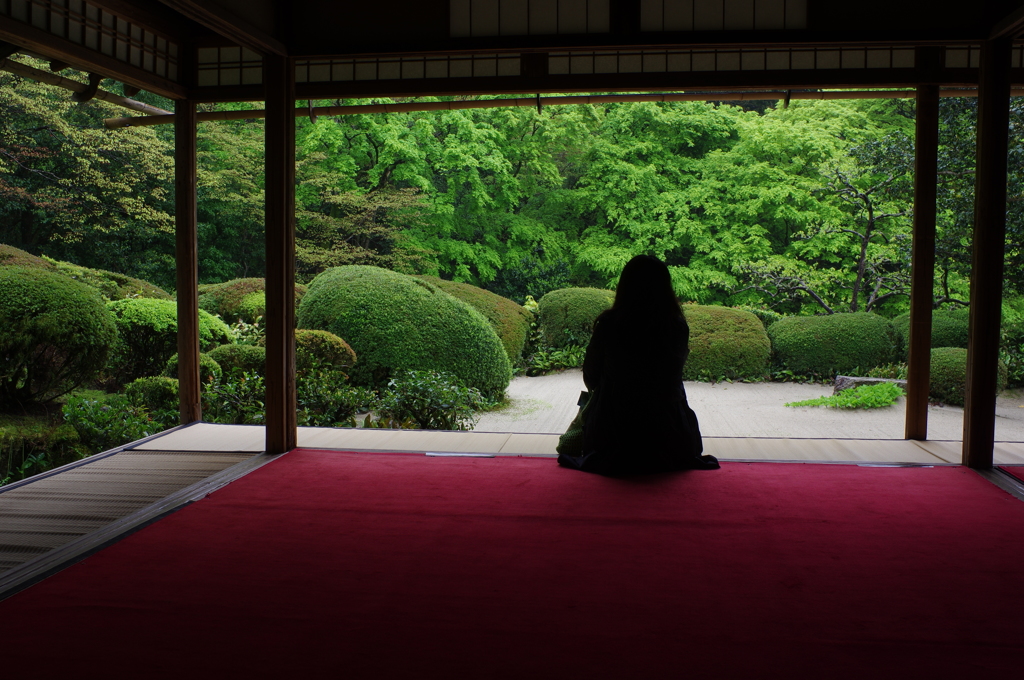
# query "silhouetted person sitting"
(638, 420)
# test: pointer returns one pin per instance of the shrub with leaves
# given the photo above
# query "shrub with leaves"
(878, 395)
(833, 344)
(156, 393)
(111, 285)
(237, 400)
(395, 322)
(15, 257)
(434, 400)
(103, 425)
(551, 360)
(567, 315)
(325, 399)
(316, 349)
(949, 375)
(240, 299)
(510, 320)
(765, 315)
(148, 336)
(234, 360)
(29, 446)
(949, 328)
(896, 371)
(55, 334)
(725, 343)
(243, 333)
(209, 368)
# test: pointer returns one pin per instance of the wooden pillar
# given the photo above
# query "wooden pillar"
(922, 267)
(279, 76)
(186, 259)
(987, 257)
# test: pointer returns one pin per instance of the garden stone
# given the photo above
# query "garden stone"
(845, 382)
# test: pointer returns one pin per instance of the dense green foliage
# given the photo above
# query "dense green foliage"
(949, 375)
(234, 360)
(315, 348)
(148, 336)
(103, 425)
(949, 328)
(567, 315)
(433, 400)
(879, 395)
(395, 322)
(837, 343)
(30, 445)
(15, 257)
(156, 393)
(243, 299)
(511, 321)
(111, 285)
(725, 343)
(55, 334)
(209, 368)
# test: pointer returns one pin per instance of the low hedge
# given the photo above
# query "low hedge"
(243, 299)
(209, 368)
(395, 322)
(324, 349)
(55, 334)
(30, 445)
(949, 328)
(837, 343)
(725, 343)
(234, 360)
(567, 315)
(15, 257)
(949, 375)
(148, 336)
(157, 393)
(111, 285)
(511, 321)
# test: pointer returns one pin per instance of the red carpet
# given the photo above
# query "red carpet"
(1015, 470)
(333, 565)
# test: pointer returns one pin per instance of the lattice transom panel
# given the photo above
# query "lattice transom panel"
(228, 66)
(760, 59)
(477, 18)
(84, 24)
(405, 68)
(722, 15)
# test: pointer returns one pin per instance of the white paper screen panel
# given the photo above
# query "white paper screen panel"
(89, 26)
(228, 66)
(479, 18)
(722, 15)
(406, 67)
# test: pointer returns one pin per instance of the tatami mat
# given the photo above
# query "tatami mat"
(208, 437)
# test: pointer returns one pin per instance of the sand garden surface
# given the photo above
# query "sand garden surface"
(548, 403)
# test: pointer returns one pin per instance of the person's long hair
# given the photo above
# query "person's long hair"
(645, 291)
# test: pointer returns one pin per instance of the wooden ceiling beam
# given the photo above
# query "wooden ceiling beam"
(91, 61)
(1010, 26)
(229, 25)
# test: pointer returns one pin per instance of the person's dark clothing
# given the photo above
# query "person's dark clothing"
(638, 421)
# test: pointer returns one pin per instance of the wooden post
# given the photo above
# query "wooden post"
(922, 267)
(279, 76)
(987, 258)
(186, 257)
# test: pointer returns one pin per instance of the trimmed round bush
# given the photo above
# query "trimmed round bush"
(567, 315)
(55, 334)
(157, 393)
(725, 343)
(111, 285)
(322, 348)
(833, 344)
(15, 257)
(209, 368)
(949, 328)
(243, 299)
(395, 322)
(148, 336)
(238, 359)
(766, 316)
(511, 321)
(948, 382)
